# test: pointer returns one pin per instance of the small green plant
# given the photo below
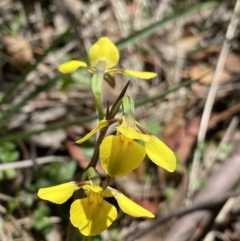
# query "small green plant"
(225, 152)
(55, 173)
(14, 27)
(8, 153)
(41, 223)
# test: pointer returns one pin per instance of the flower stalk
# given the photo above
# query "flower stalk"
(119, 153)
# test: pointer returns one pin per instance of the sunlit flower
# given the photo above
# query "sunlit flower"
(122, 153)
(92, 214)
(103, 57)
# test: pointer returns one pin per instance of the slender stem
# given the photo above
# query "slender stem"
(84, 238)
(99, 107)
(70, 232)
(96, 84)
(95, 156)
(111, 114)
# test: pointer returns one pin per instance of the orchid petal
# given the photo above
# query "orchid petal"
(160, 154)
(95, 189)
(101, 124)
(58, 194)
(108, 192)
(104, 50)
(139, 74)
(132, 133)
(120, 155)
(71, 66)
(93, 217)
(130, 207)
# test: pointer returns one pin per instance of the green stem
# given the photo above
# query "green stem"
(71, 230)
(99, 107)
(114, 110)
(96, 83)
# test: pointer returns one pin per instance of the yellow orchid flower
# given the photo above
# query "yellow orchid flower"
(122, 153)
(92, 214)
(103, 57)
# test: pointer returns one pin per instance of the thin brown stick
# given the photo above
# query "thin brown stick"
(29, 163)
(210, 100)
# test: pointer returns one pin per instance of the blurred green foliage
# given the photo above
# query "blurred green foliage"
(41, 223)
(154, 127)
(8, 153)
(53, 174)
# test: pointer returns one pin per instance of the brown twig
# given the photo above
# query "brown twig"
(210, 100)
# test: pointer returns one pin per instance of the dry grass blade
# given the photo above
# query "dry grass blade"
(210, 100)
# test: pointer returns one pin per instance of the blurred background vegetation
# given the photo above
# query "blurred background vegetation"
(43, 112)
